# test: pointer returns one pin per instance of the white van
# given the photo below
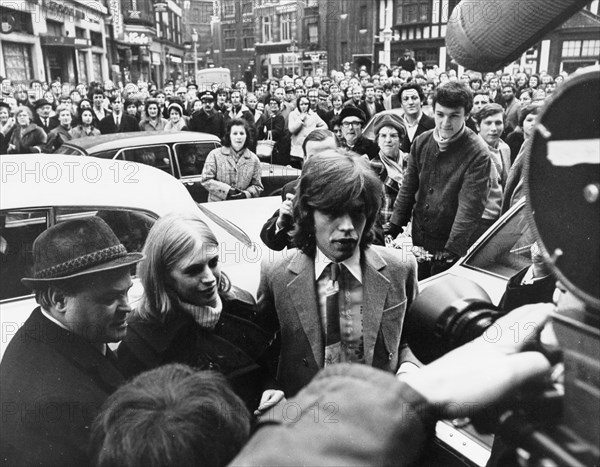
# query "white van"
(209, 76)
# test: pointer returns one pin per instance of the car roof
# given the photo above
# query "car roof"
(37, 180)
(137, 138)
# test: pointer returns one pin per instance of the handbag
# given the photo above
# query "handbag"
(264, 148)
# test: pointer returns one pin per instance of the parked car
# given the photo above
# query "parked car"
(181, 154)
(38, 191)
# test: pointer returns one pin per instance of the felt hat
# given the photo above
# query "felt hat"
(352, 111)
(40, 103)
(391, 120)
(76, 248)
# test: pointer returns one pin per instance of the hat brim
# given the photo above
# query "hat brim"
(128, 260)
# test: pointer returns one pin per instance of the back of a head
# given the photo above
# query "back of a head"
(170, 416)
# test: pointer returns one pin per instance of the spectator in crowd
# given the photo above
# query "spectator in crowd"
(274, 127)
(244, 181)
(369, 105)
(98, 109)
(515, 184)
(86, 125)
(523, 130)
(276, 231)
(494, 90)
(534, 81)
(176, 120)
(118, 121)
(258, 116)
(302, 121)
(389, 163)
(152, 121)
(445, 186)
(59, 364)
(221, 95)
(512, 106)
(355, 96)
(43, 118)
(195, 315)
(490, 122)
(7, 126)
(352, 120)
(480, 99)
(26, 137)
(411, 100)
(407, 62)
(60, 134)
(170, 416)
(336, 204)
(207, 119)
(131, 109)
(336, 109)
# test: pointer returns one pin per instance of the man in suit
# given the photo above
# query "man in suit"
(352, 120)
(118, 121)
(370, 106)
(42, 116)
(411, 99)
(58, 370)
(336, 204)
(207, 119)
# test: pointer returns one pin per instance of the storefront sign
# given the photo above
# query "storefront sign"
(137, 38)
(61, 41)
(117, 20)
(160, 7)
(175, 59)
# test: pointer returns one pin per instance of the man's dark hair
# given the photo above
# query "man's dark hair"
(509, 85)
(335, 182)
(412, 85)
(170, 416)
(488, 110)
(237, 122)
(453, 95)
(316, 135)
(96, 90)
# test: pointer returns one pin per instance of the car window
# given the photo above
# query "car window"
(69, 150)
(157, 156)
(191, 157)
(105, 154)
(19, 229)
(507, 250)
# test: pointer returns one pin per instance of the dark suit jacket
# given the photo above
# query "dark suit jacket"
(52, 124)
(53, 385)
(363, 106)
(425, 124)
(287, 300)
(127, 123)
(517, 294)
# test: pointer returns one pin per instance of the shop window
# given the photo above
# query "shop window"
(97, 66)
(22, 20)
(17, 61)
(83, 73)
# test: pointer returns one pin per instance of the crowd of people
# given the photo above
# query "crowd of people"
(204, 358)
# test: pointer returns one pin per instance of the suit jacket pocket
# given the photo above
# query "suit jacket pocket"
(386, 354)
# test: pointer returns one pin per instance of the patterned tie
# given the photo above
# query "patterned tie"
(332, 333)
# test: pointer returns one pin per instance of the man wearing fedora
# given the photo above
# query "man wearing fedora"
(58, 370)
(352, 120)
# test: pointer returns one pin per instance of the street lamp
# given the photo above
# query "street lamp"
(195, 41)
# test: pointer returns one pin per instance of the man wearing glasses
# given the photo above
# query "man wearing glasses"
(352, 120)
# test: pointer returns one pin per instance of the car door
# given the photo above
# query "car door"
(190, 158)
(155, 155)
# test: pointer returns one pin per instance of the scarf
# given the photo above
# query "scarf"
(393, 168)
(443, 144)
(206, 316)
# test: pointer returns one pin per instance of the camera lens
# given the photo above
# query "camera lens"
(446, 315)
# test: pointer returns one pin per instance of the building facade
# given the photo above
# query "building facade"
(47, 40)
(198, 16)
(420, 26)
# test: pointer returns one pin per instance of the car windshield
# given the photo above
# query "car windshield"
(507, 250)
(69, 150)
